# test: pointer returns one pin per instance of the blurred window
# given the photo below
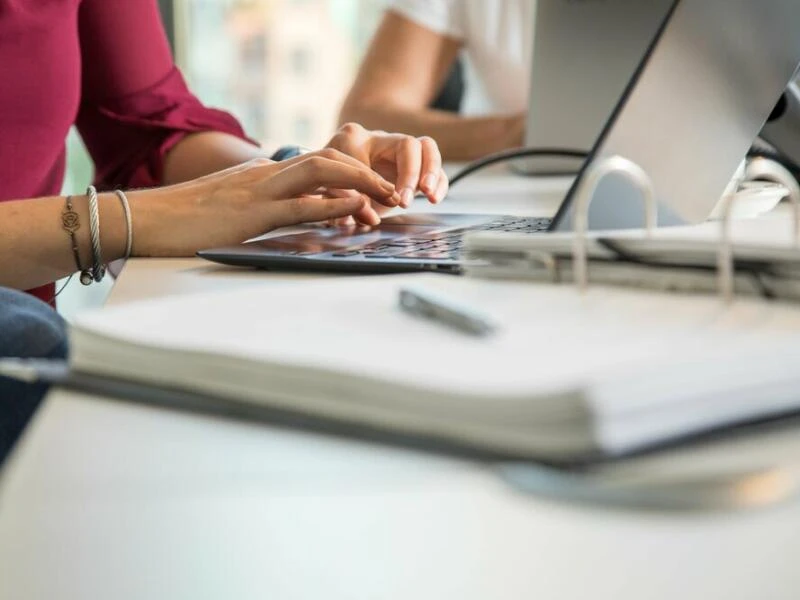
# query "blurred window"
(281, 66)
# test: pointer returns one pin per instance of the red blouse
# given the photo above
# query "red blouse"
(105, 66)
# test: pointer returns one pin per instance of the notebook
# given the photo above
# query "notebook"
(566, 377)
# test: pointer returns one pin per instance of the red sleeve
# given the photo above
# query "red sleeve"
(135, 105)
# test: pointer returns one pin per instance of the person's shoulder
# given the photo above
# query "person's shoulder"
(439, 16)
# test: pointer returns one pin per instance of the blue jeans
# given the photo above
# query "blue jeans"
(29, 328)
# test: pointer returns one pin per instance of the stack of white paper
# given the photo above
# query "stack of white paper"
(567, 375)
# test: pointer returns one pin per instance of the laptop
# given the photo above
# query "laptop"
(707, 84)
(584, 55)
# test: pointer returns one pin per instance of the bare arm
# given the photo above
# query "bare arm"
(227, 207)
(34, 249)
(404, 68)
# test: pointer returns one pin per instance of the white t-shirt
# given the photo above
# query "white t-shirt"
(497, 37)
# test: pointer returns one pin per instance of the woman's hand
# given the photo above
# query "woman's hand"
(245, 201)
(412, 164)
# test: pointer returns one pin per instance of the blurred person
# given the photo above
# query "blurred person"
(105, 66)
(412, 54)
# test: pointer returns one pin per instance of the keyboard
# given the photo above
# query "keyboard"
(442, 246)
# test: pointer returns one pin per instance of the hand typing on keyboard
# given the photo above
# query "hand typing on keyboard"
(414, 165)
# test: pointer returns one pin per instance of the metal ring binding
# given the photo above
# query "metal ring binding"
(757, 168)
(597, 171)
(547, 261)
(761, 168)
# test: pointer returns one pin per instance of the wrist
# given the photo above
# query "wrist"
(158, 217)
(513, 131)
(150, 214)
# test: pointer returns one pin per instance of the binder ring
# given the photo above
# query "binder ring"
(757, 168)
(595, 174)
(770, 170)
(547, 261)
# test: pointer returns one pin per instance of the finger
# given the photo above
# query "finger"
(317, 172)
(431, 168)
(442, 188)
(408, 156)
(338, 193)
(306, 209)
(354, 140)
(367, 215)
(350, 220)
(380, 209)
(386, 194)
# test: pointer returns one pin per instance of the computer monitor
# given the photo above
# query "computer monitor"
(584, 55)
(706, 88)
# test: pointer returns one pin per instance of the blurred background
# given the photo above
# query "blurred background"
(282, 67)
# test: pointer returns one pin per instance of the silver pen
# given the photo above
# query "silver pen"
(432, 305)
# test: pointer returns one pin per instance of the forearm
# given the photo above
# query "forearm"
(35, 249)
(200, 154)
(222, 209)
(459, 138)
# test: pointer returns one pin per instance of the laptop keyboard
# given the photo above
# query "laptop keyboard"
(446, 245)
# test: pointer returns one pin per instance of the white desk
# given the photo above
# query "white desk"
(109, 500)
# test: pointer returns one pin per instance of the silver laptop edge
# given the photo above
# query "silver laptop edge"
(713, 76)
(584, 55)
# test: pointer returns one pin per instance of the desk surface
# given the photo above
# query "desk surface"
(111, 500)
